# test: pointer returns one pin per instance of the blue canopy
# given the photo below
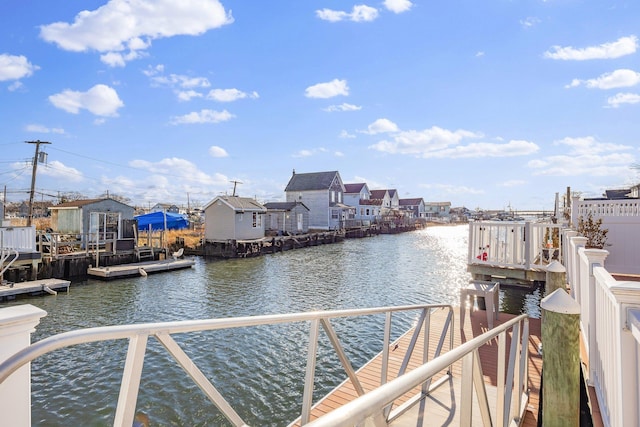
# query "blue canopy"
(157, 221)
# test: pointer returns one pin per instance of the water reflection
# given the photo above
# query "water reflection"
(258, 369)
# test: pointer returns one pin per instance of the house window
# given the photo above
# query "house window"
(257, 220)
(367, 211)
(339, 197)
(361, 211)
(333, 196)
(335, 214)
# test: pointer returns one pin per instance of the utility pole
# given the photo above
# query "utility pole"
(235, 183)
(33, 177)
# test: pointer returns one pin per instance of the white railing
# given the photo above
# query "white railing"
(138, 336)
(522, 245)
(609, 328)
(512, 393)
(622, 220)
(22, 239)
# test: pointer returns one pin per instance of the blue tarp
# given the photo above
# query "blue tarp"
(157, 221)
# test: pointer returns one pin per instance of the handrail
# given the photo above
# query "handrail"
(138, 335)
(369, 405)
(5, 253)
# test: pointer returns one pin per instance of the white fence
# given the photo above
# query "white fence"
(521, 245)
(22, 239)
(610, 328)
(622, 219)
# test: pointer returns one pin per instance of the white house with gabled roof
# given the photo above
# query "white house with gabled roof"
(234, 218)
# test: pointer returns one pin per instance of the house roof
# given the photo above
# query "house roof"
(354, 188)
(284, 206)
(371, 202)
(81, 203)
(239, 203)
(378, 194)
(311, 181)
(392, 192)
(616, 194)
(410, 202)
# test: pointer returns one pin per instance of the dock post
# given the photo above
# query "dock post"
(560, 360)
(556, 278)
(16, 325)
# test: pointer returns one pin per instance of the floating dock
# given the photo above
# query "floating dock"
(139, 268)
(10, 290)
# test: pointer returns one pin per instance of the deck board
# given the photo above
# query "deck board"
(33, 286)
(442, 406)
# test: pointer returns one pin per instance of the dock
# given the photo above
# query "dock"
(442, 406)
(10, 290)
(139, 268)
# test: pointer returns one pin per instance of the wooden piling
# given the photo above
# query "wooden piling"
(560, 360)
(556, 278)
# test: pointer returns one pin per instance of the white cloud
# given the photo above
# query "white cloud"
(398, 6)
(56, 169)
(621, 47)
(485, 149)
(217, 152)
(121, 29)
(623, 98)
(359, 13)
(512, 183)
(229, 95)
(15, 67)
(381, 126)
(615, 79)
(328, 90)
(342, 107)
(182, 168)
(100, 100)
(43, 129)
(479, 54)
(586, 156)
(529, 22)
(338, 154)
(345, 134)
(203, 116)
(188, 95)
(179, 81)
(453, 189)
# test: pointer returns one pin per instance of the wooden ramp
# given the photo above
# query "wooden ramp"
(440, 409)
(139, 268)
(44, 286)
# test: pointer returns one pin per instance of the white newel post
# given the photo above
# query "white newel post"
(16, 325)
(575, 244)
(628, 297)
(568, 257)
(595, 258)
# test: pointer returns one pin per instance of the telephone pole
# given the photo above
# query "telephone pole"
(33, 177)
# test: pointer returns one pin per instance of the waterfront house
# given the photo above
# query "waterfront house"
(359, 196)
(93, 219)
(323, 194)
(165, 207)
(438, 211)
(234, 218)
(287, 218)
(414, 207)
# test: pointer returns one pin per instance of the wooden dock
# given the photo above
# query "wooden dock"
(10, 290)
(139, 268)
(442, 409)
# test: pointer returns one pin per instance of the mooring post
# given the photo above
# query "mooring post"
(16, 325)
(556, 278)
(560, 360)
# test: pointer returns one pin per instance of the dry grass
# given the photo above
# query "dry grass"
(191, 238)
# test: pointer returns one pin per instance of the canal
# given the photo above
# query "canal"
(259, 370)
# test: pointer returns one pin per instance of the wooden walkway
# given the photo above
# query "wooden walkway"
(444, 406)
(11, 290)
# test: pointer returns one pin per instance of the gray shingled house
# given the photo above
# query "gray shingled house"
(323, 194)
(233, 218)
(287, 217)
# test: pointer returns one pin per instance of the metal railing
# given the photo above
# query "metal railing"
(138, 336)
(512, 393)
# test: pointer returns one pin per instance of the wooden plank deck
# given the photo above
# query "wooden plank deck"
(446, 406)
(9, 290)
(139, 268)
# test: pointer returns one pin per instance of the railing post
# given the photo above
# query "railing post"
(575, 243)
(595, 258)
(568, 255)
(16, 325)
(528, 238)
(560, 360)
(556, 278)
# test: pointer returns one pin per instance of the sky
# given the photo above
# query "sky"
(494, 104)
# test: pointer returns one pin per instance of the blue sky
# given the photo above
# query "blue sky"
(484, 104)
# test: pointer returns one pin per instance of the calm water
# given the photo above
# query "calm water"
(259, 370)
